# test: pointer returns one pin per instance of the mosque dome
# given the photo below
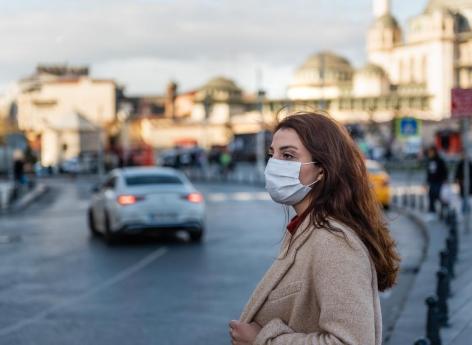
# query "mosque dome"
(220, 89)
(221, 83)
(323, 68)
(371, 69)
(387, 21)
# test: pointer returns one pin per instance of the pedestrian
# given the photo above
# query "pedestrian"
(436, 175)
(225, 162)
(18, 167)
(337, 253)
(459, 179)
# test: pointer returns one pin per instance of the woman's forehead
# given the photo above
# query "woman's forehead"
(286, 137)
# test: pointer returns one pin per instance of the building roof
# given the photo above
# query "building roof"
(447, 4)
(221, 83)
(327, 60)
(322, 69)
(371, 68)
(388, 21)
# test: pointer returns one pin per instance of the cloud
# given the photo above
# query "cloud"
(188, 40)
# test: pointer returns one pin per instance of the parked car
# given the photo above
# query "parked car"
(380, 181)
(136, 200)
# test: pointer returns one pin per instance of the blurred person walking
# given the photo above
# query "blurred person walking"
(225, 161)
(337, 253)
(436, 176)
(459, 179)
(18, 167)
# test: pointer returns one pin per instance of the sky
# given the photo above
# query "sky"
(143, 44)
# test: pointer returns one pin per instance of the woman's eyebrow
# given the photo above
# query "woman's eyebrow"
(288, 147)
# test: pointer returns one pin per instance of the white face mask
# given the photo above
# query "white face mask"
(283, 181)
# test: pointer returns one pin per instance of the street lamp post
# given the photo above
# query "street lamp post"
(260, 137)
(465, 128)
(206, 107)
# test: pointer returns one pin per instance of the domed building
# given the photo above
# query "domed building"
(408, 72)
(371, 81)
(217, 100)
(322, 75)
(220, 89)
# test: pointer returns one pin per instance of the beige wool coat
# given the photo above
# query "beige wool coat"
(321, 290)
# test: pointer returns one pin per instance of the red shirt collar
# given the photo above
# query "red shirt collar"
(295, 223)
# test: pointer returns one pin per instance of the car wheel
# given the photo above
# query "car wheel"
(109, 236)
(91, 223)
(196, 236)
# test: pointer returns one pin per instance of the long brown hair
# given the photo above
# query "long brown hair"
(345, 194)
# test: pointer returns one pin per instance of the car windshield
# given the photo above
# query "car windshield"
(140, 180)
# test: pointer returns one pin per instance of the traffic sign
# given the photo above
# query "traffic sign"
(408, 127)
(461, 103)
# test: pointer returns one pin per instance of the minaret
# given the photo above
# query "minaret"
(381, 8)
(384, 35)
(171, 95)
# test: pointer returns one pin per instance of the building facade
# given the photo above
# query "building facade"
(409, 72)
(64, 109)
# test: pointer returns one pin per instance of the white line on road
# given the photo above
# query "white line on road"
(98, 288)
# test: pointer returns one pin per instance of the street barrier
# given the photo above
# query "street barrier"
(437, 315)
(442, 292)
(432, 321)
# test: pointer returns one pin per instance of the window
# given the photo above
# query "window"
(110, 183)
(143, 180)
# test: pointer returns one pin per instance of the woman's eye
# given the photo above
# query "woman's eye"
(270, 155)
(287, 156)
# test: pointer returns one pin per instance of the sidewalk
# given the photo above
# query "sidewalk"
(6, 189)
(24, 200)
(411, 325)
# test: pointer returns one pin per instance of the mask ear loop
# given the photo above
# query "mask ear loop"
(318, 180)
(311, 184)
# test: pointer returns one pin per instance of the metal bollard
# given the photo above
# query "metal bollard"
(404, 200)
(395, 200)
(444, 261)
(422, 341)
(442, 292)
(421, 203)
(452, 249)
(453, 228)
(432, 322)
(413, 200)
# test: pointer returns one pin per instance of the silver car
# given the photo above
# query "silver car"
(146, 199)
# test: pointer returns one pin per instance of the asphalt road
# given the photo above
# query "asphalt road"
(58, 285)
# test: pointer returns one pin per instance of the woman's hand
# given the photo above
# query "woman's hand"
(243, 333)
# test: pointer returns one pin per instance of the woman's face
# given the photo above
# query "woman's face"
(286, 145)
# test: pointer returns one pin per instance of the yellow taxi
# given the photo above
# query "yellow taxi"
(380, 181)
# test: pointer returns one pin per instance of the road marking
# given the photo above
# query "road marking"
(98, 288)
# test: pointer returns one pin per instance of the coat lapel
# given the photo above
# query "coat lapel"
(277, 271)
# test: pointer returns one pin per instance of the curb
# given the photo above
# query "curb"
(38, 191)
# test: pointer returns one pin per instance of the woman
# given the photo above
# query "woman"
(337, 252)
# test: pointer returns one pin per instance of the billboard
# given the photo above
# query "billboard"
(461, 103)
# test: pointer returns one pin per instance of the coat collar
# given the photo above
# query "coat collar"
(274, 275)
